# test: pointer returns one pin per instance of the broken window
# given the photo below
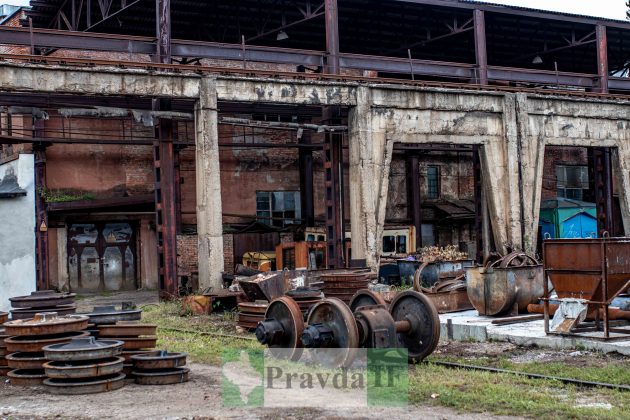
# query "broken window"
(278, 208)
(433, 182)
(572, 181)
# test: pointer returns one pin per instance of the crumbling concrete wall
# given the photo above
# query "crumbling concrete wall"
(17, 233)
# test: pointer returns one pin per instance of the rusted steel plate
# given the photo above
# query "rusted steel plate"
(4, 317)
(126, 330)
(450, 301)
(163, 360)
(354, 285)
(250, 318)
(128, 354)
(34, 344)
(30, 313)
(575, 266)
(137, 343)
(43, 299)
(46, 323)
(84, 368)
(24, 377)
(253, 307)
(85, 385)
(84, 349)
(28, 361)
(110, 315)
(163, 377)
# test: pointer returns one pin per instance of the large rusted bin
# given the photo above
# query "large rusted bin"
(495, 291)
(591, 269)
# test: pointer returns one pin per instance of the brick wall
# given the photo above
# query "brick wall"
(188, 256)
(559, 156)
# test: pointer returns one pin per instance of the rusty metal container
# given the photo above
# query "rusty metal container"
(594, 271)
(496, 291)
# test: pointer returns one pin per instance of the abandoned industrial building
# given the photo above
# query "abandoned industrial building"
(178, 146)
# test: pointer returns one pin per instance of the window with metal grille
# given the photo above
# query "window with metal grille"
(571, 181)
(278, 208)
(433, 182)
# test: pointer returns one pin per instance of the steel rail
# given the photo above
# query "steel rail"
(578, 382)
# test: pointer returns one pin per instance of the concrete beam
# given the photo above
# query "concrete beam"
(209, 207)
(108, 82)
(294, 92)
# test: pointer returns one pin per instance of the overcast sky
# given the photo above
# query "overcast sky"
(614, 9)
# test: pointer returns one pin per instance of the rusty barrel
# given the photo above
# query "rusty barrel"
(495, 291)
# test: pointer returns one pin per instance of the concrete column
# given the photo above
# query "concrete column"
(532, 161)
(63, 280)
(209, 209)
(370, 159)
(500, 171)
(621, 172)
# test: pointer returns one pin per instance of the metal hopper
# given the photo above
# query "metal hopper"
(587, 272)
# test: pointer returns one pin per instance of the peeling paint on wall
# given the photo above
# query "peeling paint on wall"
(17, 233)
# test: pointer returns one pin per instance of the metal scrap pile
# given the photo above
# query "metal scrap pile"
(434, 254)
(29, 337)
(84, 366)
(25, 307)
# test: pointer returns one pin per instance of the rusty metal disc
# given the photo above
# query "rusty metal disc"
(30, 313)
(424, 335)
(287, 312)
(3, 362)
(84, 368)
(42, 299)
(247, 318)
(336, 315)
(26, 377)
(110, 315)
(3, 336)
(4, 370)
(46, 323)
(87, 348)
(126, 330)
(162, 377)
(28, 361)
(3, 352)
(137, 343)
(253, 307)
(128, 354)
(365, 297)
(163, 360)
(127, 370)
(85, 385)
(34, 344)
(4, 317)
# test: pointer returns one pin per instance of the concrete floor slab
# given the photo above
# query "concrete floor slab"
(470, 326)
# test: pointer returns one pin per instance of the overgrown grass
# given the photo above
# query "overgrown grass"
(429, 384)
(204, 338)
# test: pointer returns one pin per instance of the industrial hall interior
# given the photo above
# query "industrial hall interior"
(461, 166)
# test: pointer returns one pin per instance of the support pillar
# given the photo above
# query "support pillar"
(601, 184)
(480, 47)
(163, 30)
(306, 183)
(41, 214)
(602, 58)
(209, 206)
(370, 159)
(332, 36)
(334, 191)
(621, 165)
(414, 202)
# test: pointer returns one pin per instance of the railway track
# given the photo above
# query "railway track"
(577, 382)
